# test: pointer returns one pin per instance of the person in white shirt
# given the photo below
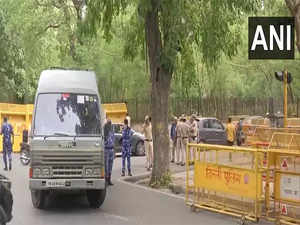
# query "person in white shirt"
(129, 119)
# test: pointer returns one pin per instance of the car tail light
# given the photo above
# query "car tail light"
(30, 172)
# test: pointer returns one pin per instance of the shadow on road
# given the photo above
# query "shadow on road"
(68, 203)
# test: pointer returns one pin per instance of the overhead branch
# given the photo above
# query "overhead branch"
(50, 26)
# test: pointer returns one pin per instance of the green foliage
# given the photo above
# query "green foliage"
(204, 45)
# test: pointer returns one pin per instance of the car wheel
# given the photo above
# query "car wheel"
(96, 197)
(38, 198)
(140, 149)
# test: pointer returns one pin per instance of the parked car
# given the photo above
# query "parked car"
(6, 200)
(211, 131)
(137, 141)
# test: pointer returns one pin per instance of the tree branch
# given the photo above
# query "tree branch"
(50, 26)
(290, 5)
(53, 26)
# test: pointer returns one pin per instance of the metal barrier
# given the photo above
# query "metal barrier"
(293, 122)
(284, 204)
(226, 180)
(287, 141)
(262, 136)
(245, 182)
(20, 117)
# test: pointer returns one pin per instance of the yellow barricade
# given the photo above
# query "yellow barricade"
(262, 136)
(19, 117)
(293, 122)
(226, 180)
(238, 182)
(284, 204)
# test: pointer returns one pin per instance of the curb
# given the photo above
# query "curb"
(136, 178)
(149, 188)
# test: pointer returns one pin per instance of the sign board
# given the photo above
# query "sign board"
(289, 187)
(271, 38)
(239, 182)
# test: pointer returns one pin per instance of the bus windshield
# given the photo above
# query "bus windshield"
(67, 114)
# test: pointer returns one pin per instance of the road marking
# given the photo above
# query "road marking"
(116, 217)
(150, 189)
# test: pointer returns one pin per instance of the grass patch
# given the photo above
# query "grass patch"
(163, 182)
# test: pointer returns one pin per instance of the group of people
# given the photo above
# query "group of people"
(109, 140)
(182, 132)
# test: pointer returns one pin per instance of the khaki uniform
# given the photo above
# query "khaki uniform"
(179, 141)
(148, 144)
(183, 133)
(185, 139)
(193, 131)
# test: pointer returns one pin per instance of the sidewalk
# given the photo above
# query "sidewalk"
(178, 174)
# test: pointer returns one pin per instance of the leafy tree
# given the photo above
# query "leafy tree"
(165, 30)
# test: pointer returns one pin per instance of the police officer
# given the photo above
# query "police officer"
(7, 132)
(193, 132)
(173, 138)
(178, 134)
(147, 130)
(126, 147)
(185, 129)
(109, 140)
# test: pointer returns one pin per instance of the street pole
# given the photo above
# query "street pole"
(285, 109)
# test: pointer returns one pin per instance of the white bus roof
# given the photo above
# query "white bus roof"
(67, 81)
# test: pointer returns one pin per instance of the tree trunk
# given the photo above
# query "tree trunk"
(161, 80)
(294, 7)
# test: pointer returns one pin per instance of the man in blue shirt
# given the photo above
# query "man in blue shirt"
(7, 132)
(126, 147)
(173, 138)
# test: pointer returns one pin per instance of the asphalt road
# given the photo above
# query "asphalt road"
(125, 204)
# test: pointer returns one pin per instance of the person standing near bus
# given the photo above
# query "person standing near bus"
(109, 155)
(126, 148)
(8, 133)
